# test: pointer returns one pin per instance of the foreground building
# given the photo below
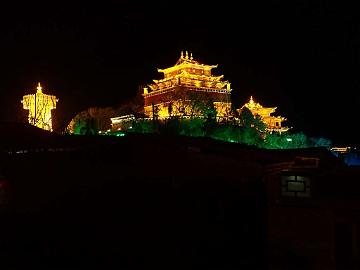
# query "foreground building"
(186, 87)
(209, 203)
(40, 106)
(273, 123)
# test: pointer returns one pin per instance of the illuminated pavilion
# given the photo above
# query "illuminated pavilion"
(184, 85)
(273, 123)
(40, 106)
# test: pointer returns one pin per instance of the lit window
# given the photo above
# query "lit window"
(295, 186)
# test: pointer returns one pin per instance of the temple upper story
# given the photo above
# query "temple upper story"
(186, 63)
(257, 109)
(191, 73)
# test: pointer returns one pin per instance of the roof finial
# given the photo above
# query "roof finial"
(187, 56)
(191, 57)
(39, 88)
(182, 54)
(251, 100)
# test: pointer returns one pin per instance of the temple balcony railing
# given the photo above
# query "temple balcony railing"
(189, 87)
(205, 89)
(162, 91)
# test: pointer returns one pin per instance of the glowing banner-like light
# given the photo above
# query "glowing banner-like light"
(40, 106)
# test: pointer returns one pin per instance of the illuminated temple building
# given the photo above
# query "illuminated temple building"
(273, 123)
(40, 106)
(184, 85)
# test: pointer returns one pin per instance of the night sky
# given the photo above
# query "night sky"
(301, 56)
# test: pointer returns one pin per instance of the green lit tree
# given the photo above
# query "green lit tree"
(286, 141)
(91, 121)
(226, 132)
(78, 124)
(192, 127)
(320, 142)
(252, 128)
(142, 126)
(247, 119)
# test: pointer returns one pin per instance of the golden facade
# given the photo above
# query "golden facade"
(273, 123)
(184, 87)
(40, 106)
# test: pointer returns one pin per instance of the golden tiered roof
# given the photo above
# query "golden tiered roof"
(186, 62)
(257, 108)
(189, 72)
(273, 123)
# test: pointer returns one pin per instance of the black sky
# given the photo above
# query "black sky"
(302, 56)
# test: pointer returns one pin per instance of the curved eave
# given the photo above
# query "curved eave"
(253, 107)
(204, 77)
(270, 110)
(260, 107)
(192, 76)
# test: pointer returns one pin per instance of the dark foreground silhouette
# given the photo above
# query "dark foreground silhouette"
(140, 202)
